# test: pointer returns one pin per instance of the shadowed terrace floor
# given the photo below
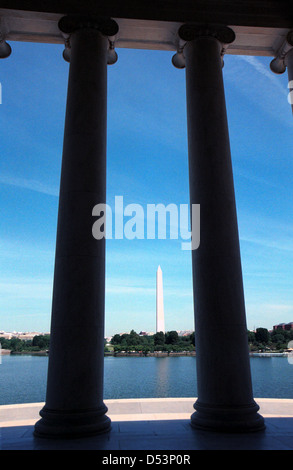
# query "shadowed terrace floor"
(151, 424)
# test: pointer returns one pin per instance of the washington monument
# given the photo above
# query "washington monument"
(160, 326)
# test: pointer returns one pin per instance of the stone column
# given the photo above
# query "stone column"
(225, 400)
(74, 400)
(283, 61)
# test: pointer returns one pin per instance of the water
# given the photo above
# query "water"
(23, 378)
(148, 377)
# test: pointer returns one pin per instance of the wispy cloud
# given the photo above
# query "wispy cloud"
(259, 180)
(283, 245)
(121, 288)
(259, 84)
(281, 308)
(26, 289)
(267, 315)
(267, 230)
(30, 184)
(126, 290)
(260, 68)
(13, 249)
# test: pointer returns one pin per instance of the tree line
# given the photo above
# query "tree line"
(263, 339)
(160, 341)
(18, 345)
(259, 340)
(132, 341)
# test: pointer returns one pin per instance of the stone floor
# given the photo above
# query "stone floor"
(151, 424)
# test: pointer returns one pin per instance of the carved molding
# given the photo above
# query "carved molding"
(278, 64)
(189, 32)
(5, 49)
(107, 27)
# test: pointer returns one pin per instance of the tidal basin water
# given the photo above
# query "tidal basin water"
(23, 378)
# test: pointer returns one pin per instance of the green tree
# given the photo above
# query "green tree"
(171, 337)
(16, 344)
(277, 338)
(116, 339)
(262, 335)
(5, 343)
(159, 339)
(133, 339)
(41, 341)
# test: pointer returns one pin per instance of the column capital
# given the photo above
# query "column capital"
(279, 63)
(71, 23)
(106, 26)
(189, 32)
(5, 49)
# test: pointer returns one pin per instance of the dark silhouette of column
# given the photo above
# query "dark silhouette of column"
(74, 400)
(225, 401)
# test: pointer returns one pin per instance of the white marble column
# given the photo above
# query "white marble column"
(283, 61)
(225, 400)
(74, 400)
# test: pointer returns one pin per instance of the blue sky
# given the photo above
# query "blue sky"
(147, 163)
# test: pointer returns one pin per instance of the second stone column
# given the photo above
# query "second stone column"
(225, 401)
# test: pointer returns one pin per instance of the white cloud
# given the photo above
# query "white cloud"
(120, 289)
(260, 85)
(30, 184)
(266, 230)
(32, 289)
(284, 244)
(126, 290)
(266, 315)
(259, 67)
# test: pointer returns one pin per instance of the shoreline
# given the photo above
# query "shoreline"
(150, 354)
(8, 352)
(271, 354)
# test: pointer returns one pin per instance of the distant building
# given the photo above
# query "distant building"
(26, 336)
(284, 326)
(185, 332)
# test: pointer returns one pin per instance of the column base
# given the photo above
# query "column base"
(227, 419)
(57, 424)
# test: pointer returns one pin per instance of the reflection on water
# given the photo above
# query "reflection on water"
(161, 374)
(145, 377)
